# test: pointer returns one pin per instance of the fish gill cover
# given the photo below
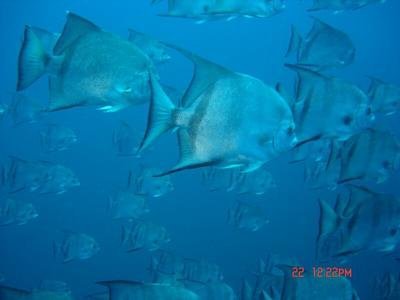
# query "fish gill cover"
(199, 149)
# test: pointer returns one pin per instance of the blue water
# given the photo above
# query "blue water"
(195, 217)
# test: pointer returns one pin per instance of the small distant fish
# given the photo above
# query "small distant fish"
(246, 217)
(387, 287)
(16, 212)
(167, 263)
(338, 6)
(154, 49)
(324, 47)
(127, 205)
(218, 179)
(144, 183)
(201, 271)
(38, 176)
(75, 246)
(119, 289)
(206, 10)
(24, 110)
(340, 108)
(125, 140)
(82, 70)
(144, 235)
(365, 219)
(57, 138)
(385, 97)
(220, 108)
(256, 183)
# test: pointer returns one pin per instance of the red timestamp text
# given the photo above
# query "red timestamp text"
(323, 272)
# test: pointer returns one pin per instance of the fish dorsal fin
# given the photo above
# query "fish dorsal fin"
(187, 158)
(205, 73)
(328, 220)
(295, 42)
(74, 28)
(318, 27)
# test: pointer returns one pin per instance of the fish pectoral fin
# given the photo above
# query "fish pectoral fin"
(74, 28)
(112, 108)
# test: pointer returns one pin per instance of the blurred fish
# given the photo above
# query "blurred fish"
(387, 287)
(385, 97)
(127, 205)
(367, 221)
(206, 10)
(324, 47)
(75, 246)
(125, 140)
(218, 179)
(167, 263)
(247, 217)
(202, 271)
(254, 183)
(24, 110)
(154, 49)
(212, 290)
(38, 176)
(144, 235)
(57, 138)
(228, 120)
(11, 293)
(341, 5)
(16, 212)
(339, 108)
(146, 184)
(370, 155)
(82, 70)
(127, 290)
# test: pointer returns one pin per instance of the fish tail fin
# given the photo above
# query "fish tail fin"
(32, 61)
(160, 117)
(329, 220)
(295, 42)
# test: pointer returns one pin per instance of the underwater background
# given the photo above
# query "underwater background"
(195, 217)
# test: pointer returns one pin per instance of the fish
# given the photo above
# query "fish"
(246, 217)
(144, 235)
(127, 205)
(218, 179)
(213, 290)
(340, 5)
(372, 155)
(340, 108)
(86, 67)
(75, 246)
(57, 138)
(206, 10)
(38, 176)
(167, 263)
(324, 47)
(25, 110)
(385, 97)
(366, 220)
(125, 140)
(255, 183)
(121, 289)
(12, 293)
(214, 127)
(154, 49)
(144, 183)
(15, 212)
(387, 287)
(201, 271)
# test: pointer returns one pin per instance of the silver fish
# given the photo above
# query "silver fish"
(125, 140)
(76, 246)
(127, 205)
(385, 97)
(16, 212)
(57, 138)
(246, 217)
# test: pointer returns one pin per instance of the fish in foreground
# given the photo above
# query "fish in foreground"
(129, 290)
(207, 10)
(154, 49)
(57, 138)
(125, 140)
(324, 47)
(38, 176)
(339, 107)
(385, 97)
(365, 220)
(227, 119)
(247, 217)
(75, 246)
(16, 212)
(340, 5)
(127, 205)
(87, 66)
(144, 183)
(144, 235)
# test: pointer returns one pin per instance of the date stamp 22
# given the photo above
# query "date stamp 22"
(323, 272)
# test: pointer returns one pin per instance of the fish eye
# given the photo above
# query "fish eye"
(290, 131)
(347, 120)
